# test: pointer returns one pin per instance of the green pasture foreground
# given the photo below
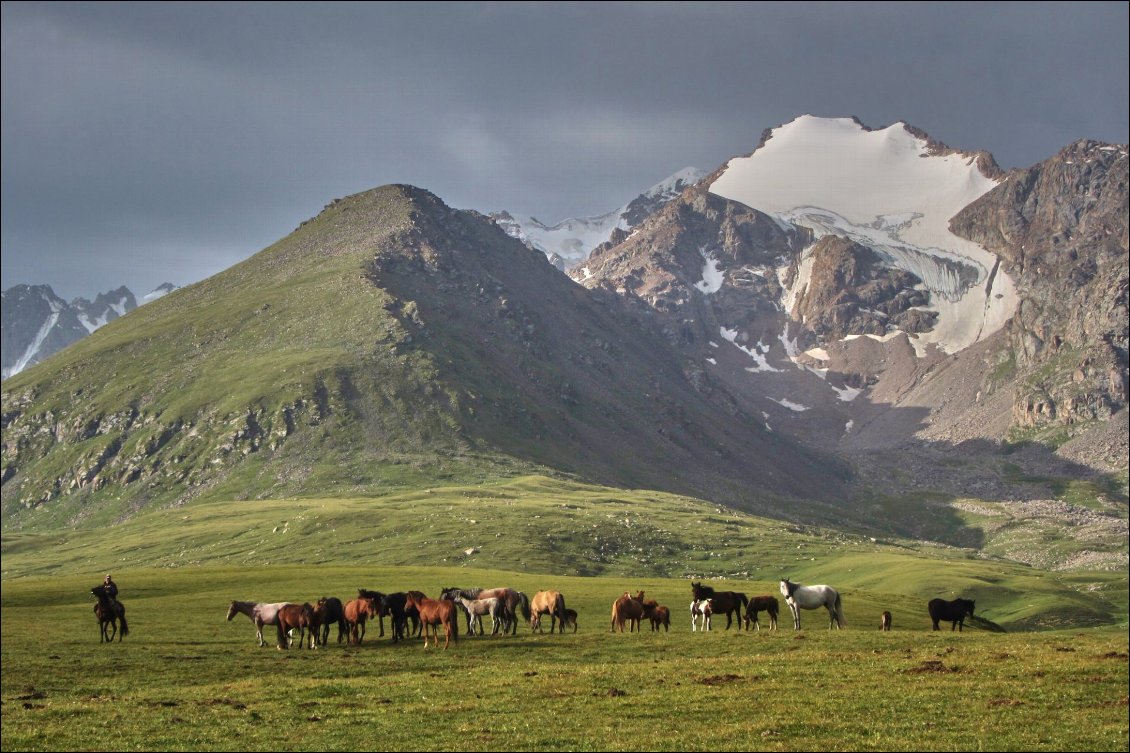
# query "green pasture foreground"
(185, 679)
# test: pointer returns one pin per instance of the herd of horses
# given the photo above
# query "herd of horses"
(412, 613)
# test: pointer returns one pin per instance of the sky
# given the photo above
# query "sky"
(149, 143)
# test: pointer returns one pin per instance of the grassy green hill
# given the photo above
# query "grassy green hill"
(389, 343)
(565, 529)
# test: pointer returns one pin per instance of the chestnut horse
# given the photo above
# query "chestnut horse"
(551, 603)
(764, 603)
(657, 614)
(436, 612)
(729, 603)
(885, 622)
(357, 611)
(110, 613)
(627, 608)
(298, 617)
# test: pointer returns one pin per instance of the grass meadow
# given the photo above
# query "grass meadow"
(187, 679)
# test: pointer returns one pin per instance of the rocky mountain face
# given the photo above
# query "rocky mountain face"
(37, 323)
(845, 328)
(1061, 228)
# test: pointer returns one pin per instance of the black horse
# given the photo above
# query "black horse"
(111, 615)
(328, 611)
(729, 603)
(953, 611)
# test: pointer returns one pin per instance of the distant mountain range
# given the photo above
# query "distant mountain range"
(570, 241)
(847, 327)
(37, 323)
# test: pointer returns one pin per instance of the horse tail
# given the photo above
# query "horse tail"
(524, 605)
(744, 599)
(840, 611)
(125, 627)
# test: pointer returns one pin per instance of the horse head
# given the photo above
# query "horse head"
(232, 611)
(787, 588)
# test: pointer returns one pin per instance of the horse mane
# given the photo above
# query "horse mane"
(705, 592)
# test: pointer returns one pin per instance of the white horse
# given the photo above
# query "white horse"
(259, 613)
(476, 608)
(800, 597)
(701, 610)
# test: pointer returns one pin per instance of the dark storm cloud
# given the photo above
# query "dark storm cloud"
(144, 143)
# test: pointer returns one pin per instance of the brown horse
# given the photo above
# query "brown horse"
(764, 603)
(722, 602)
(571, 618)
(658, 615)
(298, 617)
(885, 622)
(111, 615)
(436, 612)
(551, 603)
(627, 608)
(357, 611)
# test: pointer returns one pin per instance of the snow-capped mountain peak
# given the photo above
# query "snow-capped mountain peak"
(893, 191)
(158, 292)
(571, 240)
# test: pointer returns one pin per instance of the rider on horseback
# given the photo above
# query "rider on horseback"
(111, 587)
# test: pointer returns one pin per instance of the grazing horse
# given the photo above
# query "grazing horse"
(551, 603)
(729, 603)
(259, 613)
(658, 615)
(476, 608)
(433, 613)
(571, 618)
(885, 622)
(327, 611)
(757, 604)
(298, 617)
(627, 608)
(357, 612)
(800, 597)
(110, 613)
(515, 601)
(701, 610)
(954, 611)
